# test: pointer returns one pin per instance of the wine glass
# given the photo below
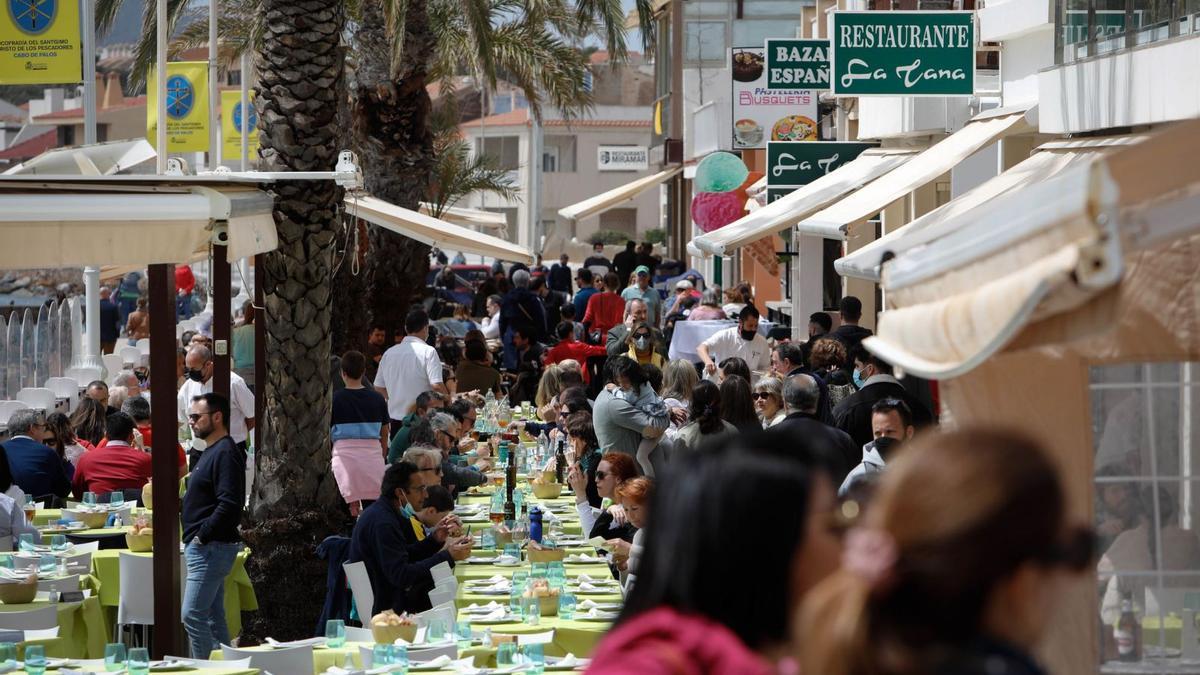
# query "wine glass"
(114, 656)
(139, 661)
(35, 659)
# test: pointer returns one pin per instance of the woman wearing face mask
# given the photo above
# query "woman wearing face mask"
(690, 618)
(608, 520)
(964, 552)
(641, 347)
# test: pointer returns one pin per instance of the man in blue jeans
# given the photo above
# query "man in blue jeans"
(212, 508)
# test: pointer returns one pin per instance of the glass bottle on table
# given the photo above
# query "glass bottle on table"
(496, 508)
(1128, 631)
(560, 460)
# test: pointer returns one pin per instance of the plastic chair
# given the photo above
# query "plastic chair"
(66, 389)
(201, 664)
(446, 612)
(356, 634)
(360, 587)
(136, 604)
(38, 398)
(63, 585)
(83, 375)
(41, 634)
(113, 363)
(143, 346)
(7, 408)
(440, 596)
(536, 638)
(130, 356)
(292, 661)
(33, 619)
(424, 655)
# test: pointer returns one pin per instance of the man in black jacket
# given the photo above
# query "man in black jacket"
(800, 396)
(853, 414)
(849, 333)
(379, 541)
(625, 262)
(212, 509)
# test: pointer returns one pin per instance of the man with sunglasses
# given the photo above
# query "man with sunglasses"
(198, 369)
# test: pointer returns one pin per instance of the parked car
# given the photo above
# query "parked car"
(465, 279)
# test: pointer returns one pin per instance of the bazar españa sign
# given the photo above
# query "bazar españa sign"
(797, 63)
(903, 54)
(39, 42)
(792, 164)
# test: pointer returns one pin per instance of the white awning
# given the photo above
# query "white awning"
(48, 227)
(468, 217)
(432, 231)
(617, 196)
(980, 132)
(1037, 252)
(1047, 161)
(803, 202)
(97, 159)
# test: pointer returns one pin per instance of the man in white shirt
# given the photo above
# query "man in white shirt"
(198, 371)
(742, 340)
(409, 368)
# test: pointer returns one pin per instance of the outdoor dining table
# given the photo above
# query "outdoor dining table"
(82, 630)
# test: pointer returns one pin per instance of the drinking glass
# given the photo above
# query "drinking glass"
(58, 542)
(335, 633)
(557, 567)
(8, 654)
(139, 661)
(47, 565)
(35, 659)
(533, 611)
(400, 658)
(520, 578)
(381, 655)
(6, 561)
(506, 654)
(114, 656)
(539, 570)
(26, 542)
(28, 500)
(462, 631)
(534, 654)
(89, 499)
(487, 539)
(513, 550)
(117, 499)
(566, 606)
(436, 631)
(515, 599)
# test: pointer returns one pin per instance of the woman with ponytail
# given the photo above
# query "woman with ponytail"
(705, 416)
(961, 557)
(734, 539)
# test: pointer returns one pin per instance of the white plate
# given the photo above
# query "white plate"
(510, 618)
(508, 564)
(473, 560)
(604, 617)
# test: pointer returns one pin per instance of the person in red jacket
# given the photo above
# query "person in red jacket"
(570, 348)
(605, 309)
(116, 465)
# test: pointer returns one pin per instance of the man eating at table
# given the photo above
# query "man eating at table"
(115, 465)
(378, 541)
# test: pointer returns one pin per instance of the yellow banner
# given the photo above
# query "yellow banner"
(39, 42)
(231, 129)
(187, 106)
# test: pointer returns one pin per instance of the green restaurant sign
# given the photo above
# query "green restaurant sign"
(903, 53)
(797, 64)
(795, 163)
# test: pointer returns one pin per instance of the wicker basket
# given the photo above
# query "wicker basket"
(139, 543)
(91, 519)
(148, 495)
(547, 490)
(537, 555)
(549, 604)
(19, 593)
(385, 634)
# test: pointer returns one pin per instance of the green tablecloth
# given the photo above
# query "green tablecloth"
(82, 631)
(239, 594)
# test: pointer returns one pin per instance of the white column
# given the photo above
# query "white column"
(91, 290)
(245, 127)
(87, 17)
(535, 185)
(161, 84)
(808, 281)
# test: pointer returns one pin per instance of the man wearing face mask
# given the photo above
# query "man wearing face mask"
(876, 382)
(742, 340)
(198, 373)
(379, 542)
(891, 424)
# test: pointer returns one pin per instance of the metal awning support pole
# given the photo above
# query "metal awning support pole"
(91, 294)
(245, 126)
(164, 461)
(87, 17)
(214, 94)
(160, 60)
(221, 328)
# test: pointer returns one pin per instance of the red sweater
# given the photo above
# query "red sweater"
(604, 311)
(574, 349)
(665, 642)
(109, 468)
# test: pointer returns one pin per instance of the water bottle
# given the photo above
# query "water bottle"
(535, 525)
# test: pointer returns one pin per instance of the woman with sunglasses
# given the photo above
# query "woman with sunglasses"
(608, 519)
(641, 346)
(965, 550)
(768, 401)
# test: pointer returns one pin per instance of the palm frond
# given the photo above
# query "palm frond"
(646, 25)
(239, 29)
(458, 174)
(395, 15)
(607, 18)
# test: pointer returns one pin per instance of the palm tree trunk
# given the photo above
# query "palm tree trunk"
(394, 141)
(295, 502)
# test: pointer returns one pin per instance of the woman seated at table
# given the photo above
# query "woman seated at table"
(965, 550)
(634, 495)
(768, 401)
(721, 613)
(12, 513)
(710, 307)
(706, 422)
(570, 400)
(607, 518)
(548, 387)
(734, 365)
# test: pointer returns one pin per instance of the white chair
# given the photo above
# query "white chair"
(41, 634)
(7, 408)
(425, 655)
(89, 548)
(143, 345)
(446, 612)
(83, 375)
(293, 661)
(201, 664)
(33, 619)
(38, 398)
(79, 563)
(136, 603)
(356, 634)
(113, 363)
(63, 585)
(65, 389)
(130, 357)
(360, 588)
(440, 596)
(536, 638)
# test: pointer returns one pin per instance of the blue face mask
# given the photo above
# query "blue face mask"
(407, 511)
(858, 381)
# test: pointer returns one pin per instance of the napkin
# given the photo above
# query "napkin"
(588, 604)
(507, 560)
(494, 615)
(295, 643)
(585, 577)
(585, 558)
(568, 661)
(474, 608)
(586, 586)
(435, 664)
(595, 613)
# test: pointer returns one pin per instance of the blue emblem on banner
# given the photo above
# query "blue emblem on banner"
(251, 124)
(33, 17)
(180, 97)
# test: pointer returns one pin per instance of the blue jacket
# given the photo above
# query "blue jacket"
(36, 468)
(337, 596)
(379, 541)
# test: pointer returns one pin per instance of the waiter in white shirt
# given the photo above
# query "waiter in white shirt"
(742, 340)
(409, 369)
(198, 374)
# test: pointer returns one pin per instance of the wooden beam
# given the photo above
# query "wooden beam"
(221, 282)
(260, 354)
(165, 463)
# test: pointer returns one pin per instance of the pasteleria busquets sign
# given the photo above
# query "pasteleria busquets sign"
(903, 53)
(797, 63)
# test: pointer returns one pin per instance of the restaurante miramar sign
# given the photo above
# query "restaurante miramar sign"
(903, 54)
